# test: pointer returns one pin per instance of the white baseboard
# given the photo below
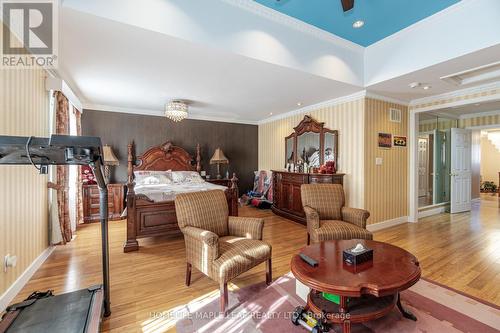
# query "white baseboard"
(21, 281)
(430, 212)
(387, 224)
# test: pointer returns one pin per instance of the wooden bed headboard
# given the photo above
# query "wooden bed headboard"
(162, 158)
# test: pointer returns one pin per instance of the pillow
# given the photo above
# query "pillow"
(152, 177)
(186, 177)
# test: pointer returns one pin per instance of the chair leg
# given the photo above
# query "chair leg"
(188, 274)
(308, 239)
(269, 272)
(223, 297)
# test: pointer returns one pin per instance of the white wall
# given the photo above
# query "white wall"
(490, 161)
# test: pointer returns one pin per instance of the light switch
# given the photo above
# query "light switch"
(378, 160)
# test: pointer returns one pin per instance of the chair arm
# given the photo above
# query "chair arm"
(247, 227)
(207, 237)
(312, 218)
(355, 216)
(202, 248)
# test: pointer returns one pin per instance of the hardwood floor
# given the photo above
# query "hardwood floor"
(461, 251)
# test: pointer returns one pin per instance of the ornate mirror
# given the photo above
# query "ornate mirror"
(308, 146)
(289, 149)
(312, 143)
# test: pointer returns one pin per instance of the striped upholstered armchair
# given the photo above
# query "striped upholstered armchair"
(220, 246)
(327, 218)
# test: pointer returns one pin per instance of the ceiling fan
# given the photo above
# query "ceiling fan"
(346, 4)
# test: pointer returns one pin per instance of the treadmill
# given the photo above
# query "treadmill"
(81, 310)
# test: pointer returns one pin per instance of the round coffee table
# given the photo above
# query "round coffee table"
(367, 291)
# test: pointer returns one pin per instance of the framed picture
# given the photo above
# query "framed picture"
(399, 141)
(385, 140)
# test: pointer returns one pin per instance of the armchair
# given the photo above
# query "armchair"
(327, 218)
(220, 246)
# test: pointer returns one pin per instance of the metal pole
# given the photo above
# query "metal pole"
(103, 202)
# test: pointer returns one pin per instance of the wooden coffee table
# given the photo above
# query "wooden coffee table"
(367, 292)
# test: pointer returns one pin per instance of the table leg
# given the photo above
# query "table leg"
(406, 313)
(344, 311)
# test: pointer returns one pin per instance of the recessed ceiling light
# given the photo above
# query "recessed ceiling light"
(270, 113)
(299, 104)
(427, 87)
(414, 85)
(358, 24)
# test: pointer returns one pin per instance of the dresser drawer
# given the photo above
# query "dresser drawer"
(297, 178)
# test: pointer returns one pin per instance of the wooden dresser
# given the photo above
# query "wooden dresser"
(116, 199)
(286, 191)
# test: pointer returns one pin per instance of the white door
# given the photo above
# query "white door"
(423, 167)
(460, 200)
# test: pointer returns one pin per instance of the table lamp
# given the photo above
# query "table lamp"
(219, 158)
(109, 160)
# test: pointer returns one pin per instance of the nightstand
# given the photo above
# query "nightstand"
(116, 202)
(224, 182)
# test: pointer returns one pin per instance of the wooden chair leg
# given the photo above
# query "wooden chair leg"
(223, 297)
(269, 272)
(308, 239)
(188, 274)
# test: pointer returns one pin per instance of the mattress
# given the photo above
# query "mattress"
(168, 192)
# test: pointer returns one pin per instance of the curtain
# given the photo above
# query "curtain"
(79, 197)
(62, 127)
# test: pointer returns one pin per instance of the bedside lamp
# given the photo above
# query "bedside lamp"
(219, 158)
(109, 160)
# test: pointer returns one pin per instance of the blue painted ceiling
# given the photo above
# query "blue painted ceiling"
(382, 17)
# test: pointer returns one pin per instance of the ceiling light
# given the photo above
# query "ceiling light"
(299, 104)
(414, 85)
(358, 24)
(427, 87)
(176, 110)
(270, 113)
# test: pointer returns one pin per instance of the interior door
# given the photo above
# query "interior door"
(438, 168)
(423, 162)
(460, 171)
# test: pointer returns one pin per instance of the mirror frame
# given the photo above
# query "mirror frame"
(308, 124)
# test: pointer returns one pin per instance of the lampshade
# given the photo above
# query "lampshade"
(109, 156)
(176, 110)
(219, 157)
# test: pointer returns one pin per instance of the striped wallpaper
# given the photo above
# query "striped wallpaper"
(24, 105)
(383, 190)
(345, 117)
(480, 121)
(386, 185)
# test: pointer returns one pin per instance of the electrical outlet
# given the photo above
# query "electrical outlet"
(378, 160)
(9, 261)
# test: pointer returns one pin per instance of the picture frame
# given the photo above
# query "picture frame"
(385, 140)
(399, 141)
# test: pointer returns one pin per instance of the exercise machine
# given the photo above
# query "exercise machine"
(81, 310)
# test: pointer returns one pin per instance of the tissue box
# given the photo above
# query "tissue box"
(356, 258)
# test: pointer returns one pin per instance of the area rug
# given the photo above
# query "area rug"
(263, 309)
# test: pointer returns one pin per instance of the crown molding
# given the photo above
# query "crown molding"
(456, 93)
(160, 113)
(313, 107)
(417, 25)
(291, 22)
(332, 102)
(386, 99)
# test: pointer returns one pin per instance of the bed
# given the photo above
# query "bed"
(150, 204)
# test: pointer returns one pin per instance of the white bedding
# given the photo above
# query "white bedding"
(167, 192)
